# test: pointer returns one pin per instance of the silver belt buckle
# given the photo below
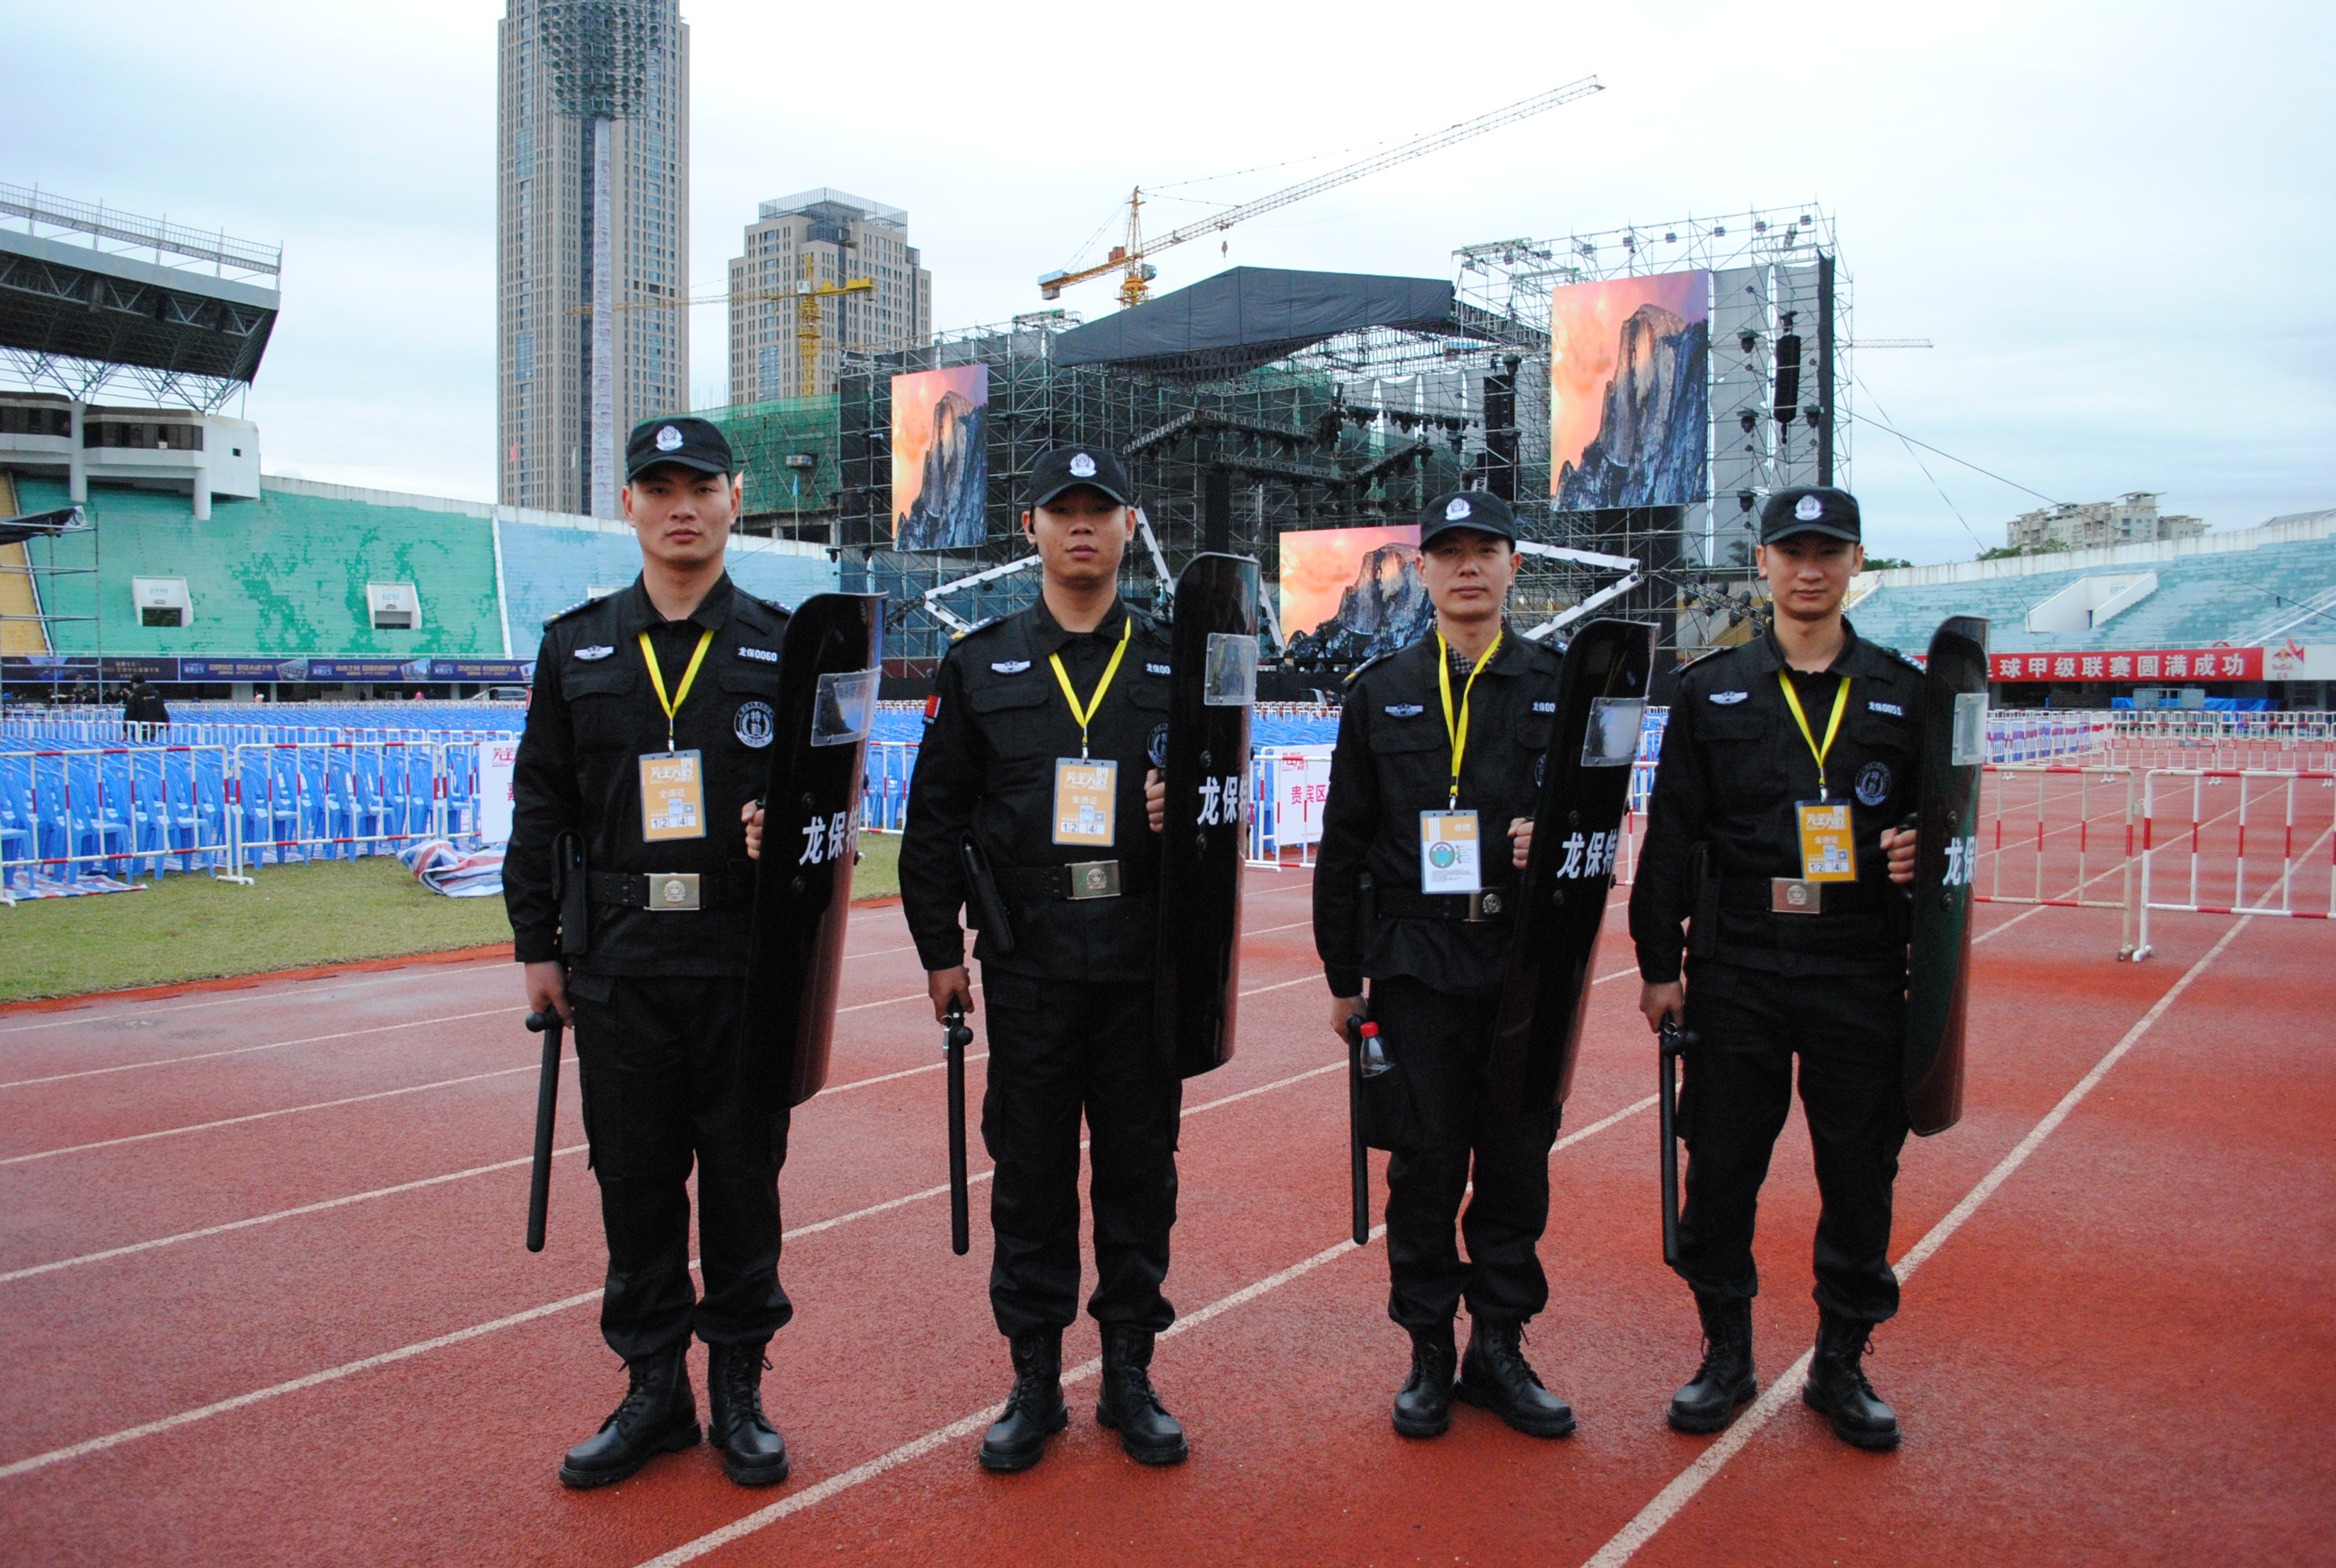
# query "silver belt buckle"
(673, 890)
(1094, 879)
(1483, 905)
(1791, 896)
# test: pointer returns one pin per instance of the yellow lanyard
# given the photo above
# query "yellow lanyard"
(1458, 733)
(656, 679)
(1833, 725)
(1087, 713)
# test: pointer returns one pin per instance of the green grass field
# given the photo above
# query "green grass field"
(191, 927)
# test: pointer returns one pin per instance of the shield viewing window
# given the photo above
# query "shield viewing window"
(1969, 746)
(1231, 674)
(1611, 738)
(845, 707)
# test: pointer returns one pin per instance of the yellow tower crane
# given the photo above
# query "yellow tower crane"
(1137, 273)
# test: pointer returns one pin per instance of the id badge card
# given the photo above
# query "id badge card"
(1449, 853)
(1086, 802)
(1828, 842)
(673, 796)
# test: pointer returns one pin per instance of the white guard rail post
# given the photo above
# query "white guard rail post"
(2254, 809)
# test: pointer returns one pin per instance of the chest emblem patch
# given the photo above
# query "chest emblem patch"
(1010, 665)
(1728, 699)
(1404, 710)
(1874, 784)
(754, 726)
(1891, 708)
(597, 650)
(1157, 748)
(762, 655)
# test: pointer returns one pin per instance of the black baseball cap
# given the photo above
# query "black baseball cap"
(1810, 509)
(1068, 467)
(696, 444)
(1478, 508)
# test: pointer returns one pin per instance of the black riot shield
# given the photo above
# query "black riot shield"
(803, 885)
(1585, 787)
(1938, 978)
(1206, 768)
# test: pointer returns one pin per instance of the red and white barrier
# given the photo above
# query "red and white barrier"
(2060, 836)
(2238, 841)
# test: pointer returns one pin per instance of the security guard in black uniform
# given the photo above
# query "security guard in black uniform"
(1431, 789)
(1042, 750)
(1785, 762)
(646, 740)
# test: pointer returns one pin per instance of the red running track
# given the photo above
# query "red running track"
(262, 1299)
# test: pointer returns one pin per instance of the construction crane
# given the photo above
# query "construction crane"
(1137, 273)
(808, 296)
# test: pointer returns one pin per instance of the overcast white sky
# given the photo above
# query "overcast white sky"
(2114, 220)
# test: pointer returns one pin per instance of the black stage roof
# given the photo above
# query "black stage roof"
(1252, 316)
(75, 302)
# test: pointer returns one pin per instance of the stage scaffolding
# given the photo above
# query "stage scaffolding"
(1779, 394)
(1358, 430)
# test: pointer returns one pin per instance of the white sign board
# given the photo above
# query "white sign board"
(2299, 661)
(1302, 783)
(496, 760)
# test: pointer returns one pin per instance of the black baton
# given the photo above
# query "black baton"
(546, 1111)
(1358, 1152)
(954, 1043)
(1674, 1045)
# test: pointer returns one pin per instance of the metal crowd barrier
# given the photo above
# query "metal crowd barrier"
(2218, 844)
(296, 801)
(67, 814)
(2074, 827)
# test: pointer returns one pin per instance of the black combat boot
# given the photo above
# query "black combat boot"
(658, 1416)
(1034, 1411)
(754, 1454)
(1724, 1383)
(1495, 1377)
(1837, 1385)
(1424, 1409)
(1128, 1404)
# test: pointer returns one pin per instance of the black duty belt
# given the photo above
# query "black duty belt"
(1787, 895)
(676, 891)
(1079, 880)
(1491, 904)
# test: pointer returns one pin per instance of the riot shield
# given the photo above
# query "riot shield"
(1585, 787)
(1938, 978)
(1210, 696)
(803, 884)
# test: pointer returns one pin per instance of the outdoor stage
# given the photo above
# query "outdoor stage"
(264, 1299)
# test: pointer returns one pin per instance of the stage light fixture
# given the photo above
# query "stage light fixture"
(1719, 229)
(1760, 226)
(1746, 417)
(1671, 237)
(1748, 337)
(1815, 415)
(1744, 500)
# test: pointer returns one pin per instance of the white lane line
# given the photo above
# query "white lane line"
(267, 1115)
(134, 1248)
(93, 1011)
(389, 1358)
(880, 952)
(293, 1213)
(956, 1431)
(247, 1050)
(1667, 1504)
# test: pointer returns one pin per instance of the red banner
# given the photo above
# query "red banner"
(2152, 663)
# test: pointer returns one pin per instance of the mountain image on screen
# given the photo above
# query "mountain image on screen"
(1649, 446)
(947, 514)
(1384, 608)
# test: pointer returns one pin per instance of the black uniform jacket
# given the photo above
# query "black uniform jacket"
(593, 716)
(1393, 760)
(986, 767)
(1734, 762)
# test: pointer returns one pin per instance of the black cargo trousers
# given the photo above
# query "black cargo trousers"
(1058, 1049)
(1848, 1032)
(1433, 1110)
(657, 1059)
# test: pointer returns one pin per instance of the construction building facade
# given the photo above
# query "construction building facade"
(592, 252)
(791, 317)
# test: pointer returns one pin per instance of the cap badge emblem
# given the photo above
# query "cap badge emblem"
(1808, 509)
(668, 439)
(1456, 508)
(1082, 465)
